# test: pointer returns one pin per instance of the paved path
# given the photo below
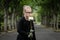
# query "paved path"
(46, 34)
(41, 34)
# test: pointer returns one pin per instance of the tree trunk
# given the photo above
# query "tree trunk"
(12, 19)
(15, 22)
(54, 18)
(57, 22)
(5, 20)
(51, 22)
(9, 22)
(45, 21)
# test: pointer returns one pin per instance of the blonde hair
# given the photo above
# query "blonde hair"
(26, 7)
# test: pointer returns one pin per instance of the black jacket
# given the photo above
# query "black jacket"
(23, 29)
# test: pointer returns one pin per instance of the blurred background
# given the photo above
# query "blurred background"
(45, 12)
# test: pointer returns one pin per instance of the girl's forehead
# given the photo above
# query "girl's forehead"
(28, 10)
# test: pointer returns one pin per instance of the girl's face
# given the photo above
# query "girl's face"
(28, 12)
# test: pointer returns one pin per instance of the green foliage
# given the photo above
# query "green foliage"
(45, 7)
